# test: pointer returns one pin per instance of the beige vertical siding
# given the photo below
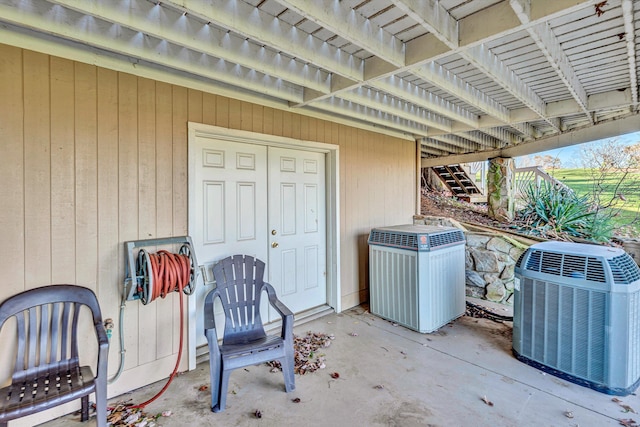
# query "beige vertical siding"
(93, 158)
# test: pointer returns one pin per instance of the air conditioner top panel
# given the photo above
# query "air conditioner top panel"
(579, 263)
(578, 249)
(416, 237)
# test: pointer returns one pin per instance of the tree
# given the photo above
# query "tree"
(610, 165)
(548, 162)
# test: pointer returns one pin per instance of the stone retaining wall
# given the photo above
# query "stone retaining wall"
(490, 260)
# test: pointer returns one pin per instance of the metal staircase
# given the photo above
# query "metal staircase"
(457, 180)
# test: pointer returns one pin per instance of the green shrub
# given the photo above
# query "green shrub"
(559, 213)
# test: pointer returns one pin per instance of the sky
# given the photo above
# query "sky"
(570, 156)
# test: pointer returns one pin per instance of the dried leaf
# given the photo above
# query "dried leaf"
(487, 401)
(599, 6)
(616, 400)
(258, 413)
(335, 375)
(354, 334)
(203, 387)
(628, 422)
(296, 400)
(378, 387)
(628, 408)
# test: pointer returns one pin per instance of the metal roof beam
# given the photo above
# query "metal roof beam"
(418, 96)
(347, 23)
(456, 141)
(165, 23)
(68, 24)
(481, 57)
(548, 44)
(449, 82)
(372, 116)
(396, 107)
(257, 25)
(444, 146)
(434, 17)
(478, 138)
(630, 36)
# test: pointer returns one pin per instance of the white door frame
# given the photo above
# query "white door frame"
(332, 169)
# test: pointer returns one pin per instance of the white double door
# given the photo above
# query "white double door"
(267, 202)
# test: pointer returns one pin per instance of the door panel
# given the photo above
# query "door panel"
(297, 220)
(230, 201)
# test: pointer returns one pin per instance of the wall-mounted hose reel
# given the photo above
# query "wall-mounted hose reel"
(155, 274)
(150, 275)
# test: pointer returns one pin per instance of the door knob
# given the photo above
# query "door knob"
(274, 244)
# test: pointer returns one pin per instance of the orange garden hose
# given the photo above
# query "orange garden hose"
(169, 272)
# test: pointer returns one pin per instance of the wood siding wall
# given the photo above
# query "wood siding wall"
(92, 158)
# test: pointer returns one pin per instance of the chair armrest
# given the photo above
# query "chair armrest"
(210, 320)
(283, 310)
(103, 349)
(209, 315)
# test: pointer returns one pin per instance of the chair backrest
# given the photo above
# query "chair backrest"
(239, 281)
(47, 326)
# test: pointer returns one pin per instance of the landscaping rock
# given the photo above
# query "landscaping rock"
(499, 244)
(484, 260)
(495, 291)
(474, 279)
(477, 240)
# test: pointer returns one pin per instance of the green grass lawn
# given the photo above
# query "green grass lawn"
(581, 181)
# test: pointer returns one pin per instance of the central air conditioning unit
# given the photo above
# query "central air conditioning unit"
(416, 275)
(577, 314)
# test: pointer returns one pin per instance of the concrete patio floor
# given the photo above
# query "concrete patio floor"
(392, 376)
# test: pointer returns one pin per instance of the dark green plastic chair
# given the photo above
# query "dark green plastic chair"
(47, 369)
(239, 286)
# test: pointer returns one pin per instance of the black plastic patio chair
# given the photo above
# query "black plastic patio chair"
(47, 369)
(239, 287)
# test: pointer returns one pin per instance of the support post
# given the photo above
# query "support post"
(500, 189)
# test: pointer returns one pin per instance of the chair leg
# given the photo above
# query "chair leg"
(84, 410)
(224, 387)
(214, 379)
(101, 402)
(287, 370)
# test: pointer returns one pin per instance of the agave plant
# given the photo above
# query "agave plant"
(558, 212)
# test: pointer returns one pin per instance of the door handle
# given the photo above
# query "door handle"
(274, 244)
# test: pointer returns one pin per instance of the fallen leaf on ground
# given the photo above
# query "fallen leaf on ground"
(628, 422)
(203, 387)
(335, 375)
(487, 401)
(354, 334)
(379, 386)
(296, 400)
(258, 413)
(625, 408)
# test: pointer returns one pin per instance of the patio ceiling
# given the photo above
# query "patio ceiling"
(461, 76)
